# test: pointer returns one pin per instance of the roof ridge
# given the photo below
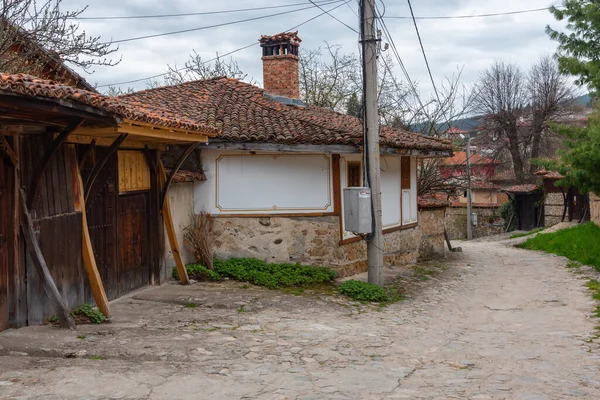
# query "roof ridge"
(186, 83)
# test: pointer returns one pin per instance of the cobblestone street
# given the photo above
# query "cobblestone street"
(495, 323)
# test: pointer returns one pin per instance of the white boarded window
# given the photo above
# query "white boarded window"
(390, 191)
(273, 183)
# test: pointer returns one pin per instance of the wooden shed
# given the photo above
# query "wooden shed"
(82, 198)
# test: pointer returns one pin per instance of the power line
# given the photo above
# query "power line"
(212, 26)
(478, 15)
(189, 14)
(437, 96)
(334, 17)
(223, 55)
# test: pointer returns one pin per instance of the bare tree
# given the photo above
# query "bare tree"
(34, 34)
(501, 97)
(117, 91)
(197, 69)
(550, 97)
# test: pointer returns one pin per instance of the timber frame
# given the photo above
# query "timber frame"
(63, 125)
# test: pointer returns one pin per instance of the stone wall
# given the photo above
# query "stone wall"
(489, 222)
(595, 208)
(431, 225)
(553, 208)
(316, 241)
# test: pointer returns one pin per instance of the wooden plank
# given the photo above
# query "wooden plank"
(337, 185)
(5, 228)
(170, 228)
(89, 259)
(107, 141)
(39, 263)
(155, 224)
(68, 162)
(18, 295)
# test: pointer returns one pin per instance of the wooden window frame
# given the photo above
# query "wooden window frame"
(351, 165)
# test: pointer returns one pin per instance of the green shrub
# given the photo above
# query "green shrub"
(362, 291)
(92, 314)
(272, 275)
(580, 243)
(198, 273)
(508, 211)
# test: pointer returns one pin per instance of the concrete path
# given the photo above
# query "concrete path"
(495, 323)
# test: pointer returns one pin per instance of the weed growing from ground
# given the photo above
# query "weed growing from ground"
(362, 291)
(92, 314)
(191, 305)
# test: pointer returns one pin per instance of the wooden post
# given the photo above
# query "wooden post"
(87, 251)
(170, 228)
(37, 258)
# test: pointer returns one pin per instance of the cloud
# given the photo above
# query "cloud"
(449, 43)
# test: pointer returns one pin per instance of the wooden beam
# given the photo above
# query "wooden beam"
(8, 151)
(107, 141)
(174, 171)
(87, 251)
(146, 133)
(100, 164)
(150, 160)
(43, 163)
(38, 261)
(85, 152)
(170, 228)
(166, 128)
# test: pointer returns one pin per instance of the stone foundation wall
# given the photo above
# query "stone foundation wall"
(553, 209)
(595, 208)
(431, 224)
(489, 222)
(316, 241)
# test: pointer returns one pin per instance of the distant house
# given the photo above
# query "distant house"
(562, 202)
(275, 173)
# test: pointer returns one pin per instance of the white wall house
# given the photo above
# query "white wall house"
(259, 183)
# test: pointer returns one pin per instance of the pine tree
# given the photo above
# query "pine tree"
(354, 106)
(578, 52)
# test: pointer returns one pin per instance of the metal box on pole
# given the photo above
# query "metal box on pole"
(357, 210)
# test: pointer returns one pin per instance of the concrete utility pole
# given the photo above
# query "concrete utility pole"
(370, 48)
(469, 200)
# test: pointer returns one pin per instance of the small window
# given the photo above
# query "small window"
(354, 174)
(405, 173)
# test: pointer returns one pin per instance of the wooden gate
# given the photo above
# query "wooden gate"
(133, 239)
(118, 224)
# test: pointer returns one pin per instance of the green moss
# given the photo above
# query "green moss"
(90, 313)
(580, 243)
(198, 273)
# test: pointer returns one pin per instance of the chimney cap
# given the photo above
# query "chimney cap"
(283, 37)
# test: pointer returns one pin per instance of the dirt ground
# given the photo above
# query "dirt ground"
(493, 322)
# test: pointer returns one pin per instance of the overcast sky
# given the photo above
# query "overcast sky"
(472, 43)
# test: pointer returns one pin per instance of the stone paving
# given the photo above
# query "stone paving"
(494, 323)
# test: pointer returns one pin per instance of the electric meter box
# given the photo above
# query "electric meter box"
(357, 210)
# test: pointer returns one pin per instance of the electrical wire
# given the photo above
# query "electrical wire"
(222, 55)
(210, 26)
(479, 15)
(437, 96)
(334, 17)
(322, 2)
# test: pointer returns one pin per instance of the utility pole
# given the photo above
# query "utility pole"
(469, 200)
(370, 48)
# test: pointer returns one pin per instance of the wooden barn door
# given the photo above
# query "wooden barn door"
(133, 242)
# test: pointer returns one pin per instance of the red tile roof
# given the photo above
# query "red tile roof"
(460, 158)
(454, 130)
(484, 185)
(433, 200)
(508, 175)
(549, 174)
(187, 176)
(526, 188)
(281, 37)
(31, 86)
(243, 113)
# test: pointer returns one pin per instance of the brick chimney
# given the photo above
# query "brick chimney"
(280, 64)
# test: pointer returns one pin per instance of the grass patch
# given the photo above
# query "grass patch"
(272, 275)
(86, 313)
(81, 337)
(96, 357)
(362, 291)
(423, 273)
(594, 286)
(580, 243)
(190, 305)
(198, 273)
(518, 235)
